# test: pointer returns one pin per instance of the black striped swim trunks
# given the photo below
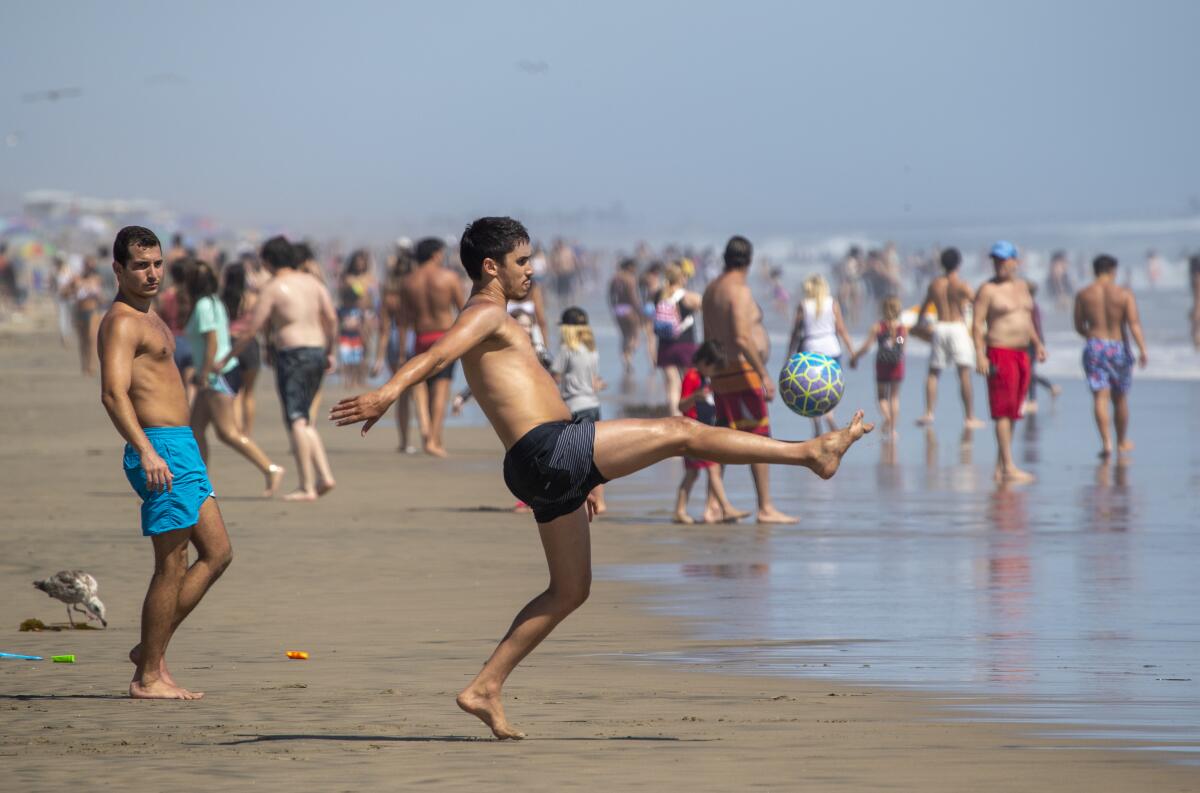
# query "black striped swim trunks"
(551, 468)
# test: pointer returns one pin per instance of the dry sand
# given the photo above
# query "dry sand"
(398, 584)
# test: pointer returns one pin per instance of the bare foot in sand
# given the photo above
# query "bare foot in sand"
(1105, 453)
(925, 421)
(772, 515)
(974, 424)
(274, 478)
(833, 445)
(733, 514)
(324, 486)
(160, 689)
(434, 450)
(487, 708)
(135, 657)
(300, 495)
(687, 520)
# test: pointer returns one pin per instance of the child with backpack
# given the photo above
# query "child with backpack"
(696, 402)
(890, 334)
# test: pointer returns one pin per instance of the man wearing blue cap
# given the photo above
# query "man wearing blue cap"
(1003, 331)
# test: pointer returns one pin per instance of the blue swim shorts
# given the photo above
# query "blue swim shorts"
(177, 508)
(1108, 364)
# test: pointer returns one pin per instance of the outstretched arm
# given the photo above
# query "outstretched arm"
(118, 343)
(978, 325)
(474, 325)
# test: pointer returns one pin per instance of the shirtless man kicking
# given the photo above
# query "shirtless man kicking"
(143, 394)
(1106, 315)
(742, 391)
(431, 297)
(304, 326)
(1003, 333)
(951, 341)
(552, 463)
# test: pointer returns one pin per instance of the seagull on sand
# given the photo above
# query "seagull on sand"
(75, 588)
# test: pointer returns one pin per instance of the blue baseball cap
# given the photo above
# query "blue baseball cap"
(1004, 250)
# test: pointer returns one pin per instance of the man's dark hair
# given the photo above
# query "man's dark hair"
(1104, 264)
(303, 252)
(278, 253)
(489, 238)
(951, 259)
(132, 237)
(710, 353)
(1058, 256)
(428, 248)
(628, 264)
(738, 253)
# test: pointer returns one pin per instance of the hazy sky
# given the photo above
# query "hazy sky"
(378, 117)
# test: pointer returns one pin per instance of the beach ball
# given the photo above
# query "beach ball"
(811, 384)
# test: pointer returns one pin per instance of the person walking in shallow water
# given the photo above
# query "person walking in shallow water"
(144, 396)
(1106, 315)
(1004, 333)
(552, 462)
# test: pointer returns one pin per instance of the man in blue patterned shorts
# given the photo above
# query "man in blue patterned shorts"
(1106, 315)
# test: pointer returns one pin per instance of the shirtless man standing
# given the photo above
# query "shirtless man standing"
(1004, 332)
(1106, 315)
(304, 326)
(431, 297)
(742, 391)
(552, 463)
(143, 394)
(951, 341)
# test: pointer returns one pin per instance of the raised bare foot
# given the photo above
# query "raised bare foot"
(487, 708)
(833, 445)
(160, 689)
(1125, 447)
(434, 450)
(274, 479)
(925, 420)
(772, 515)
(135, 657)
(301, 495)
(686, 519)
(732, 514)
(324, 486)
(974, 424)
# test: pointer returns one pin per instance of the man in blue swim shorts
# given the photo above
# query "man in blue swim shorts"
(554, 461)
(143, 394)
(1106, 315)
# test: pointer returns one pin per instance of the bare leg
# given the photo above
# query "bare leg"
(420, 395)
(626, 446)
(403, 410)
(214, 555)
(320, 461)
(199, 421)
(1100, 401)
(158, 612)
(931, 385)
(302, 449)
(1006, 469)
(894, 399)
(968, 399)
(567, 542)
(885, 407)
(221, 407)
(439, 395)
(681, 495)
(673, 385)
(247, 408)
(716, 488)
(1121, 415)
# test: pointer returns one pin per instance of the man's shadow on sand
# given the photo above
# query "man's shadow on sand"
(255, 739)
(29, 697)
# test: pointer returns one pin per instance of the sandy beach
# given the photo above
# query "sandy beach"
(398, 585)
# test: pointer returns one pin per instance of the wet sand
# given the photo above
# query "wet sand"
(398, 585)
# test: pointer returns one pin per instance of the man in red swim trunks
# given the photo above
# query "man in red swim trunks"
(1003, 331)
(432, 296)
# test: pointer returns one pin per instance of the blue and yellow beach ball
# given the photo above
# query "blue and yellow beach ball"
(811, 384)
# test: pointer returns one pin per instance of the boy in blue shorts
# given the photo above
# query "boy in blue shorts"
(143, 394)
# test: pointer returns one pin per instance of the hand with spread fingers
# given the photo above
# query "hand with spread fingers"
(368, 407)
